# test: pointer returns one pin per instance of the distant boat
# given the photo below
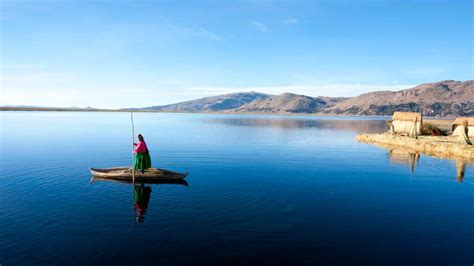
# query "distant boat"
(126, 174)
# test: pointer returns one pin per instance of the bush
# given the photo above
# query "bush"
(429, 129)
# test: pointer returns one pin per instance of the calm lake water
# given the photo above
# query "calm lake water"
(267, 190)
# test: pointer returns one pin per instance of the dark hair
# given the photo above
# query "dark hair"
(140, 137)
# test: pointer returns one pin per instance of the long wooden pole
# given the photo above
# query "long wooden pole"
(133, 147)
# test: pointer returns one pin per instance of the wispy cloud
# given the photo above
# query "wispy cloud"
(260, 26)
(288, 21)
(209, 34)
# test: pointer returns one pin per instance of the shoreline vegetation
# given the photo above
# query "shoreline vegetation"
(401, 150)
(436, 138)
(445, 147)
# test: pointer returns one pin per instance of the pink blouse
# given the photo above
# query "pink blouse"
(141, 147)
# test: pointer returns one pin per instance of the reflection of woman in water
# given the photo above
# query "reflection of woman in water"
(141, 197)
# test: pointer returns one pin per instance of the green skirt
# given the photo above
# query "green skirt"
(142, 161)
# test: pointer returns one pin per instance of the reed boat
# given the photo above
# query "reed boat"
(126, 174)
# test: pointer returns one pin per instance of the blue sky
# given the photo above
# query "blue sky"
(141, 53)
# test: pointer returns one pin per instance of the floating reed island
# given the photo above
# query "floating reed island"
(408, 130)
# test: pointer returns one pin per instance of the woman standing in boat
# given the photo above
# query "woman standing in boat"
(142, 158)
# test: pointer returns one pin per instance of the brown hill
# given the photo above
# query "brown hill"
(439, 99)
(283, 103)
(212, 104)
(444, 98)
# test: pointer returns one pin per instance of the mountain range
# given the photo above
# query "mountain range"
(439, 99)
(446, 98)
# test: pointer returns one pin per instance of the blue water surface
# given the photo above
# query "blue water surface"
(261, 190)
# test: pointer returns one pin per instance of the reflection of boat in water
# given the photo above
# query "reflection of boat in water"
(141, 193)
(143, 181)
(126, 174)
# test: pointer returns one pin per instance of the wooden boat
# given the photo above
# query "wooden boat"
(126, 174)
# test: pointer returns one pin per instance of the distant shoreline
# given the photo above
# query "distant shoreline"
(40, 109)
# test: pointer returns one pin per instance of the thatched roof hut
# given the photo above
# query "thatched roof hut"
(459, 121)
(406, 116)
(403, 122)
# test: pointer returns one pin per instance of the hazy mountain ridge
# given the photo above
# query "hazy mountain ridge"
(252, 102)
(213, 103)
(438, 99)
